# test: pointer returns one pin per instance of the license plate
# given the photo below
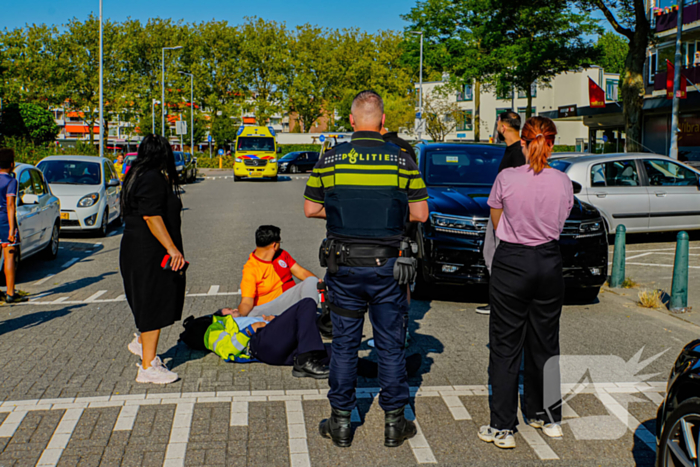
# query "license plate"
(65, 215)
(255, 174)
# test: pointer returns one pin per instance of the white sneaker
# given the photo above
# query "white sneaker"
(484, 310)
(135, 346)
(157, 373)
(553, 430)
(503, 439)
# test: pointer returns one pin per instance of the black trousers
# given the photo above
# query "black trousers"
(292, 333)
(526, 295)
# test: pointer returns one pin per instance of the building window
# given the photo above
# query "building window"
(523, 95)
(466, 94)
(503, 94)
(652, 67)
(465, 121)
(522, 110)
(612, 87)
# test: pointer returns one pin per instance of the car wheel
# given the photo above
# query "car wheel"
(102, 232)
(294, 169)
(679, 435)
(421, 288)
(51, 250)
(584, 295)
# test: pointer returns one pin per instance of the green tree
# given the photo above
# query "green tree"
(613, 50)
(629, 19)
(441, 113)
(29, 121)
(223, 131)
(540, 39)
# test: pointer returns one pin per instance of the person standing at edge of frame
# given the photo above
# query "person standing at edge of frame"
(508, 130)
(367, 190)
(529, 206)
(152, 210)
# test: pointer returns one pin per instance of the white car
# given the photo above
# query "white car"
(644, 192)
(38, 214)
(89, 190)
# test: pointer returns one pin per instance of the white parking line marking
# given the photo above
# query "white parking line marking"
(419, 445)
(639, 256)
(535, 441)
(179, 435)
(239, 414)
(59, 440)
(44, 280)
(58, 300)
(95, 296)
(639, 430)
(213, 290)
(660, 265)
(568, 412)
(456, 408)
(70, 263)
(296, 427)
(655, 397)
(127, 416)
(11, 423)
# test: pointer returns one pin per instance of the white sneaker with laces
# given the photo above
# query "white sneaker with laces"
(135, 346)
(503, 439)
(157, 373)
(553, 430)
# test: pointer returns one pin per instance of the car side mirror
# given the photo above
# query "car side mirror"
(577, 187)
(113, 182)
(30, 199)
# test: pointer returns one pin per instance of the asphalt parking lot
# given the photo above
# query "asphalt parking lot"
(68, 395)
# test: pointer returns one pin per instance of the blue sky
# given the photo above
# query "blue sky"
(363, 14)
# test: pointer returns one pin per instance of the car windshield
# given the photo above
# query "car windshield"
(559, 165)
(71, 172)
(463, 165)
(255, 143)
(178, 157)
(289, 157)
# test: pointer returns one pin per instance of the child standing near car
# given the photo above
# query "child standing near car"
(8, 227)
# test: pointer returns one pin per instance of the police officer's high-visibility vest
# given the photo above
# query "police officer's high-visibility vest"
(368, 198)
(227, 341)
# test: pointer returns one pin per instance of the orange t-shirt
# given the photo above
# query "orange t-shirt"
(264, 281)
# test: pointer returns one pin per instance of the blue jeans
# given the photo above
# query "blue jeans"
(356, 288)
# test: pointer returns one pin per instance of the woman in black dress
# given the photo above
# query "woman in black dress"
(152, 208)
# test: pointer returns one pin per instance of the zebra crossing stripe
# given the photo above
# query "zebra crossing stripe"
(419, 445)
(296, 427)
(61, 436)
(179, 435)
(535, 441)
(455, 405)
(239, 414)
(10, 424)
(126, 418)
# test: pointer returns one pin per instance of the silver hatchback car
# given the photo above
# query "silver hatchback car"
(644, 192)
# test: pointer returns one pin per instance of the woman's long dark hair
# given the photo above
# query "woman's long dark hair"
(154, 153)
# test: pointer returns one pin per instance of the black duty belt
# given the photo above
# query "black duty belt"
(334, 253)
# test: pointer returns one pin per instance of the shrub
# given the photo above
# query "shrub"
(29, 121)
(650, 298)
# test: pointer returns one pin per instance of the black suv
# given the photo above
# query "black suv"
(450, 244)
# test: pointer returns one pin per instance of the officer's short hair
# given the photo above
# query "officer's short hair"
(367, 100)
(7, 158)
(267, 235)
(511, 119)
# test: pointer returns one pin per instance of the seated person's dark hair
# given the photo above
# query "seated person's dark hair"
(267, 235)
(7, 158)
(511, 119)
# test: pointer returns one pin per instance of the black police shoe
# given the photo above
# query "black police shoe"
(397, 429)
(338, 428)
(16, 298)
(310, 369)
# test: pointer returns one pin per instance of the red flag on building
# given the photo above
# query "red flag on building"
(670, 72)
(596, 95)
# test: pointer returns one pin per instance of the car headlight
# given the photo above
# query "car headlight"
(283, 165)
(591, 227)
(179, 168)
(89, 200)
(458, 225)
(238, 159)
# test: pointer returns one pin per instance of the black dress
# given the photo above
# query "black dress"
(156, 297)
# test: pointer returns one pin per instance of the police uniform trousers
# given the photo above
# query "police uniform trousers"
(526, 295)
(356, 288)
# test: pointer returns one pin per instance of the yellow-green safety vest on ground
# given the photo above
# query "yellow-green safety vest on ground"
(227, 341)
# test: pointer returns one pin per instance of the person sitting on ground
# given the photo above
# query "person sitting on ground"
(290, 339)
(268, 285)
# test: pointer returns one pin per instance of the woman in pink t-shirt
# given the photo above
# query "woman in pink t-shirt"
(529, 205)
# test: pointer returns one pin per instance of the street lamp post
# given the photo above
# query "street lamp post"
(677, 77)
(420, 95)
(191, 109)
(102, 145)
(162, 84)
(153, 116)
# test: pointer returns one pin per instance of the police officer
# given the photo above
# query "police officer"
(367, 190)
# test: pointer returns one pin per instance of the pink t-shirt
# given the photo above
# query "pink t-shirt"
(535, 206)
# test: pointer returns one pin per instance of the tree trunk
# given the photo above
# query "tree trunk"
(632, 89)
(476, 121)
(528, 109)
